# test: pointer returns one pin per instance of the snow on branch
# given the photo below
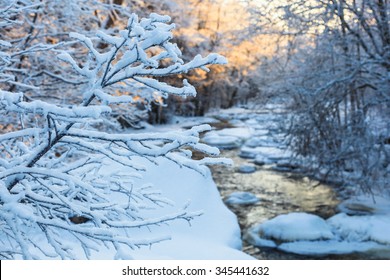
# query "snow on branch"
(13, 103)
(64, 181)
(140, 53)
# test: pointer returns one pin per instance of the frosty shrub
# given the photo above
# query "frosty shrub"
(62, 181)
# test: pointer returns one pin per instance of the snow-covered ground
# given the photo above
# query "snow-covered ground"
(214, 235)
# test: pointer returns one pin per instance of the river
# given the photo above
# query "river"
(279, 192)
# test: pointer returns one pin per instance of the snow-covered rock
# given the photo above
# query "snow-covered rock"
(271, 154)
(228, 138)
(240, 132)
(296, 226)
(246, 168)
(242, 198)
(307, 234)
(246, 155)
(259, 142)
(261, 160)
(224, 142)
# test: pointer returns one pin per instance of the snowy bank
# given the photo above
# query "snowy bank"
(307, 234)
(228, 138)
(214, 235)
(242, 198)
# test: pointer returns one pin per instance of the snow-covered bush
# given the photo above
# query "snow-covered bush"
(62, 179)
(336, 73)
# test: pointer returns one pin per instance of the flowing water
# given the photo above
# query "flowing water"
(279, 193)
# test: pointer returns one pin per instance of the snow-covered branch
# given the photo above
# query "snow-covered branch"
(64, 180)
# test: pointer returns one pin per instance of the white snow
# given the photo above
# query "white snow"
(214, 235)
(295, 226)
(362, 228)
(5, 43)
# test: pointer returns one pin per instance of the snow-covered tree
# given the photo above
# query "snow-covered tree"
(336, 71)
(61, 178)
